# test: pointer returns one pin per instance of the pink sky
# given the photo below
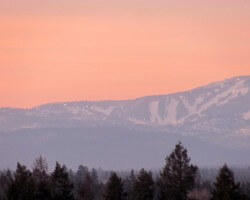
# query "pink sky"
(99, 50)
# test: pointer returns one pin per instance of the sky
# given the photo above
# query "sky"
(71, 50)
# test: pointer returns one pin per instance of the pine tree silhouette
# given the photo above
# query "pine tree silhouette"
(61, 186)
(225, 186)
(114, 189)
(143, 186)
(41, 179)
(22, 187)
(178, 175)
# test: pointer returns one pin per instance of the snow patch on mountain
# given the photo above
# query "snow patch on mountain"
(233, 92)
(106, 111)
(136, 121)
(245, 132)
(171, 111)
(246, 115)
(153, 108)
(193, 109)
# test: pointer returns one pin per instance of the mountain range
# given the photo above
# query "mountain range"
(212, 121)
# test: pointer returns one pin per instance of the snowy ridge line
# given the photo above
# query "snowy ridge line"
(180, 109)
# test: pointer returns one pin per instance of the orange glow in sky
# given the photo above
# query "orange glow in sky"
(100, 50)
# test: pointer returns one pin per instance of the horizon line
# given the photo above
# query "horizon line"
(129, 99)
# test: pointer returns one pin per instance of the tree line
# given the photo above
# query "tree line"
(178, 180)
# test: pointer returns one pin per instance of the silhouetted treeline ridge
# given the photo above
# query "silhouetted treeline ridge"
(177, 180)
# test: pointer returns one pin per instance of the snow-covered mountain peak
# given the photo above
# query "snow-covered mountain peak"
(209, 102)
(213, 119)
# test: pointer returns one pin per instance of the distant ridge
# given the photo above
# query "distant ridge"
(217, 114)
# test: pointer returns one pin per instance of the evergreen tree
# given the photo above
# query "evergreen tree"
(87, 184)
(129, 185)
(61, 186)
(178, 175)
(41, 179)
(6, 179)
(143, 186)
(22, 187)
(114, 190)
(225, 186)
(85, 191)
(247, 190)
(81, 173)
(95, 184)
(79, 180)
(132, 177)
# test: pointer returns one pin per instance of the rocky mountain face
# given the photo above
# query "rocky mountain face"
(217, 114)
